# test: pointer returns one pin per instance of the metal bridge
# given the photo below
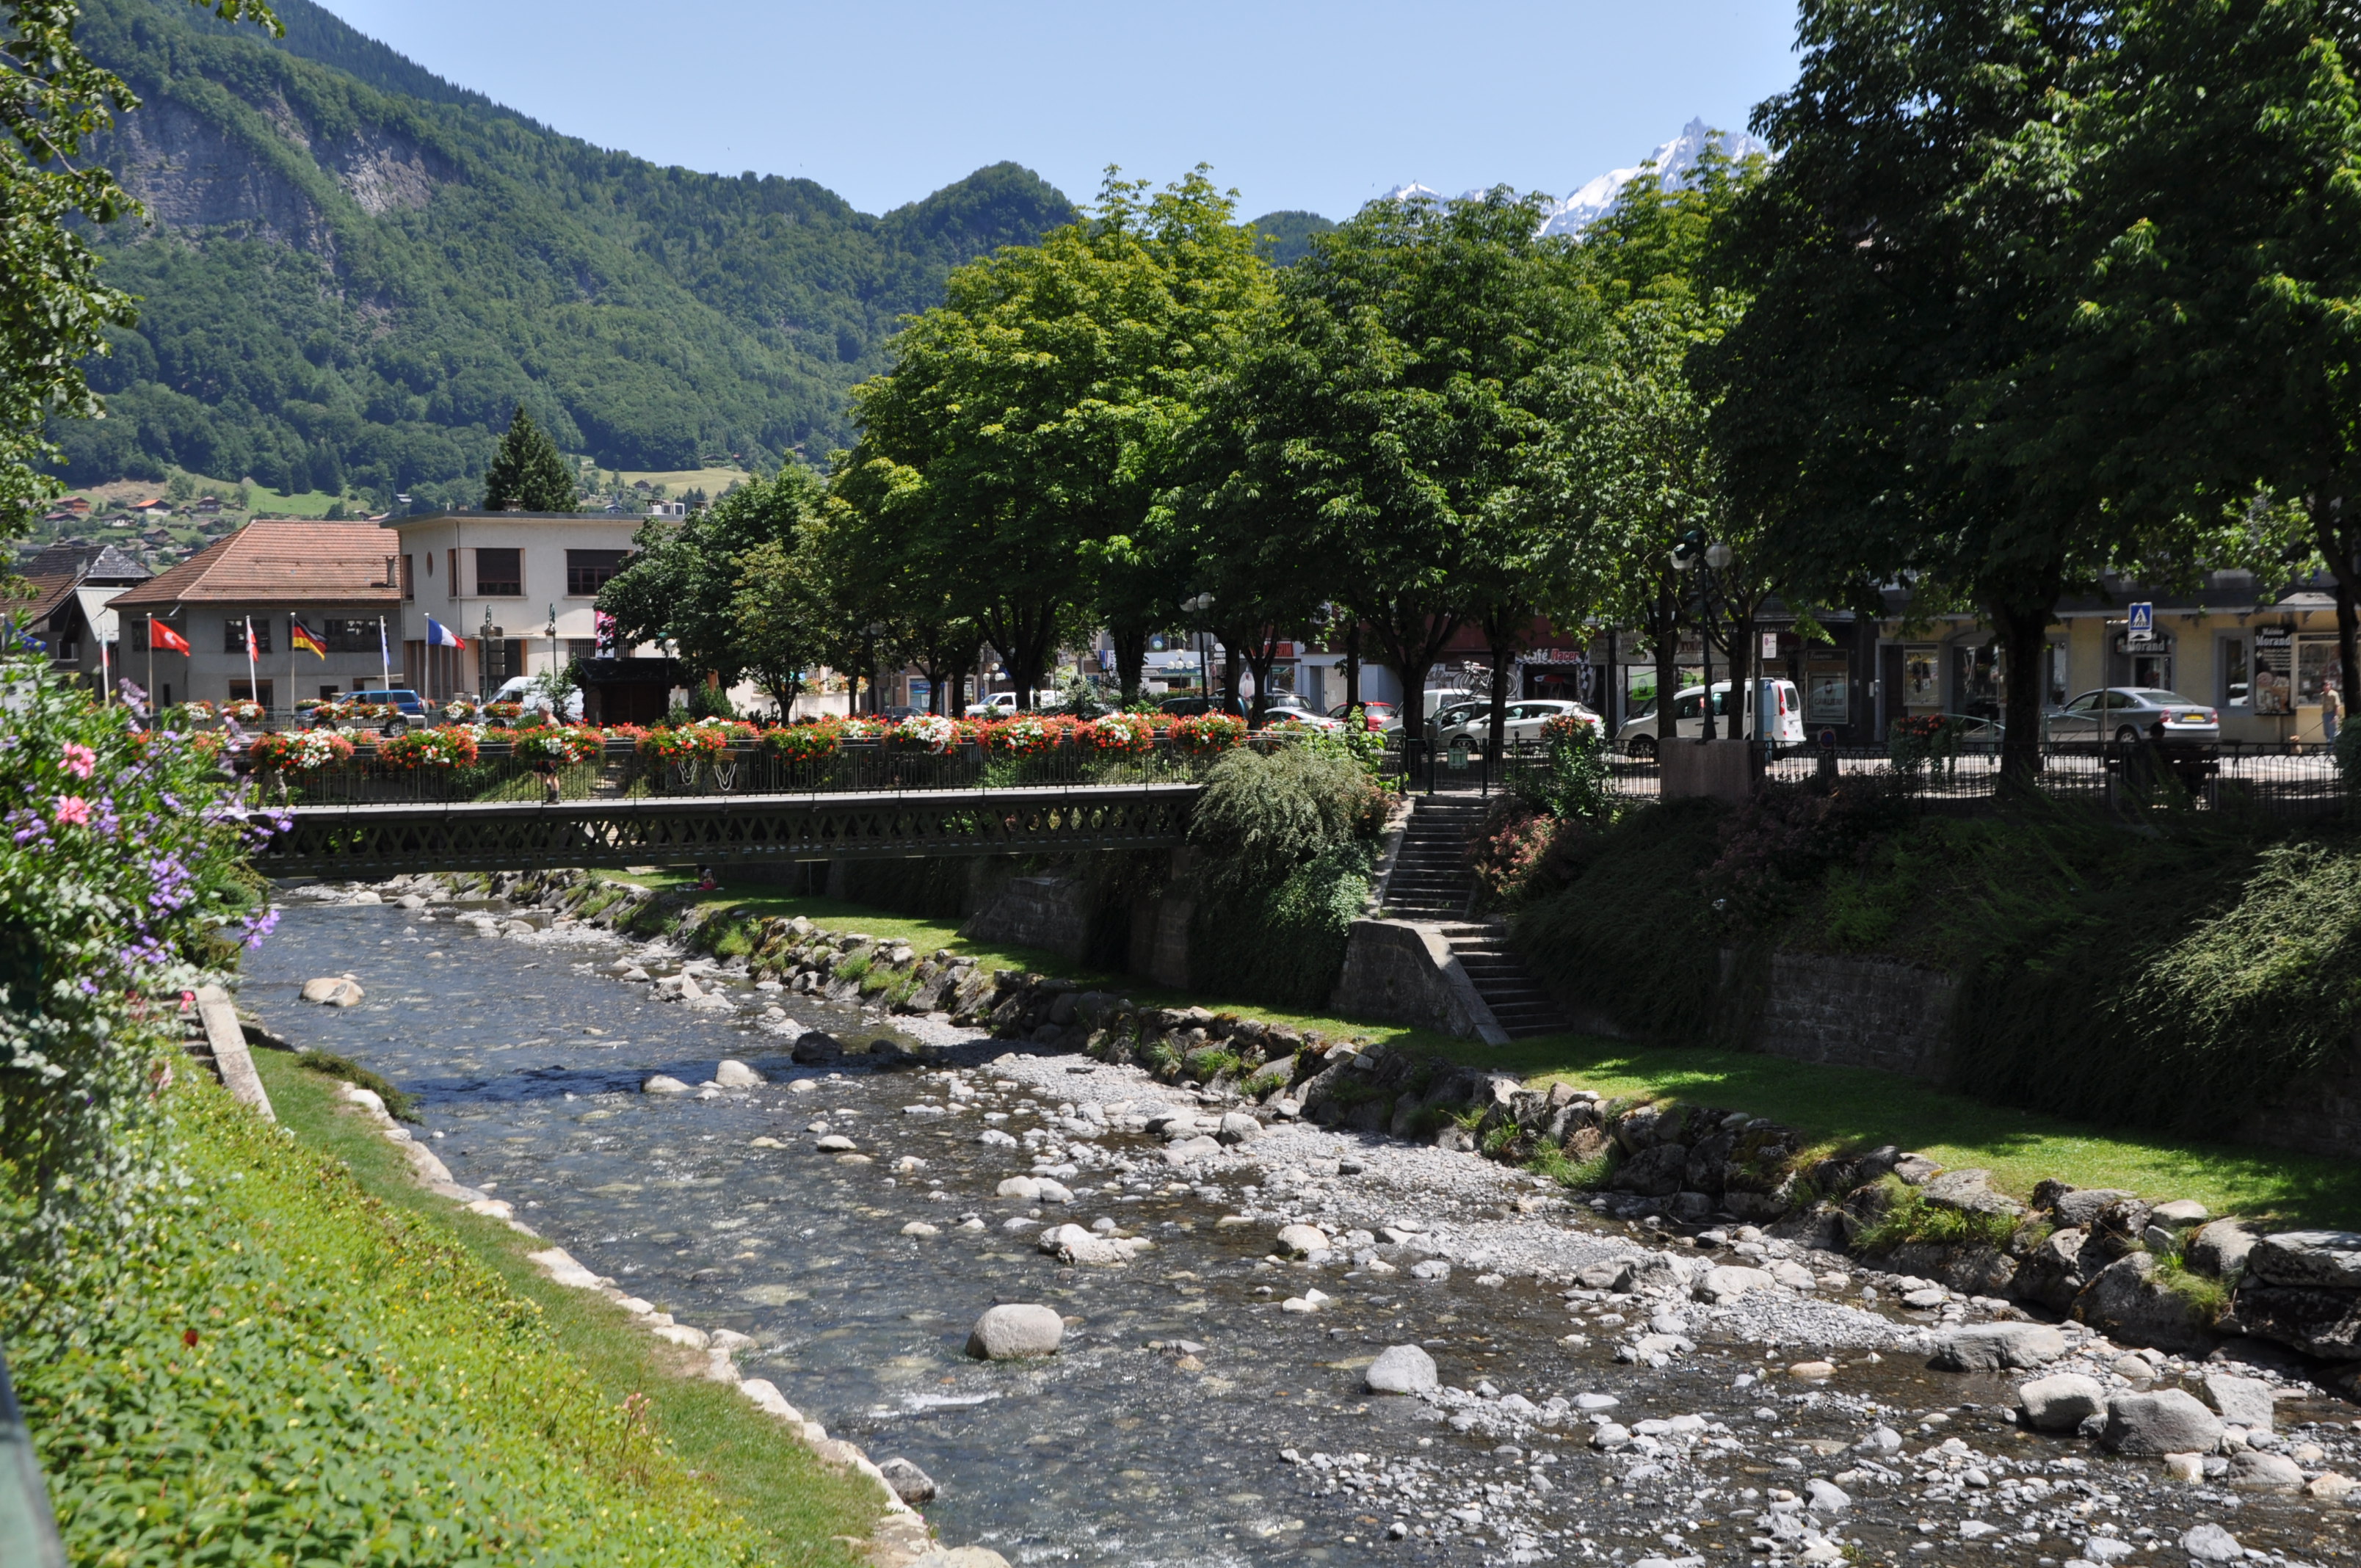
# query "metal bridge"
(376, 841)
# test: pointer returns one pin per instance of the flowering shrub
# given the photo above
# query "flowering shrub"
(685, 743)
(454, 747)
(199, 710)
(1027, 735)
(857, 728)
(807, 742)
(121, 873)
(925, 731)
(245, 712)
(563, 745)
(1119, 734)
(300, 751)
(1208, 734)
(509, 711)
(331, 712)
(458, 709)
(1924, 737)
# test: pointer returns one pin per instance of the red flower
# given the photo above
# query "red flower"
(189, 1338)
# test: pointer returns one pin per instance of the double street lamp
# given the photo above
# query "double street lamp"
(1690, 552)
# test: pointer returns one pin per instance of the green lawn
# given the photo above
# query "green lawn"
(1840, 1107)
(755, 1467)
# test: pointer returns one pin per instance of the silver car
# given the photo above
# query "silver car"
(2124, 714)
(1523, 722)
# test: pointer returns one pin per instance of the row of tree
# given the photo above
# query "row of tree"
(2032, 296)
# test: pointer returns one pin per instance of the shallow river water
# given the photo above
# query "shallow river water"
(1188, 1417)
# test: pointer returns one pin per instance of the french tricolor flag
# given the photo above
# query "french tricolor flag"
(441, 636)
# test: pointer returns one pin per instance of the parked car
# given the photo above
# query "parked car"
(1524, 721)
(1288, 708)
(1781, 703)
(526, 691)
(1198, 707)
(1001, 705)
(1375, 715)
(1436, 701)
(2128, 713)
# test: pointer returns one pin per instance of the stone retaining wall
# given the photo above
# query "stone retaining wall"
(1856, 1013)
(1399, 972)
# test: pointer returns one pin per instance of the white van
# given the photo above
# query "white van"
(1781, 705)
(524, 689)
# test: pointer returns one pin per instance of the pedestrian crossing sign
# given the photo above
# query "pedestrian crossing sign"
(2142, 631)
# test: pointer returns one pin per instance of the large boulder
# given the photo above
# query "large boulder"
(2167, 1421)
(2221, 1248)
(736, 1075)
(1654, 1172)
(1728, 1282)
(1996, 1347)
(1012, 1330)
(2242, 1401)
(2078, 1206)
(1401, 1369)
(2061, 1402)
(818, 1047)
(1305, 1241)
(2051, 1270)
(332, 990)
(1969, 1192)
(2255, 1471)
(2325, 1323)
(2322, 1260)
(2128, 1301)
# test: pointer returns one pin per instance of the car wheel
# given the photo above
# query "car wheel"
(2127, 736)
(1643, 747)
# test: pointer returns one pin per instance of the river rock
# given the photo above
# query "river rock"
(2061, 1402)
(2242, 1401)
(920, 1228)
(2221, 1248)
(1237, 1127)
(2167, 1421)
(1012, 1330)
(1190, 1150)
(910, 1484)
(1303, 1240)
(1025, 1188)
(1072, 1244)
(2126, 1301)
(818, 1047)
(1969, 1192)
(2076, 1206)
(2256, 1472)
(2321, 1259)
(1401, 1369)
(661, 1084)
(2211, 1543)
(1994, 1347)
(2180, 1215)
(961, 1557)
(1728, 1282)
(367, 895)
(737, 1075)
(1822, 1497)
(332, 990)
(2051, 1273)
(835, 1143)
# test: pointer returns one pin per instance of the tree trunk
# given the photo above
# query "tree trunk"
(1665, 633)
(1705, 656)
(1504, 631)
(1352, 663)
(2025, 634)
(1411, 636)
(1130, 658)
(1742, 667)
(1023, 636)
(2339, 547)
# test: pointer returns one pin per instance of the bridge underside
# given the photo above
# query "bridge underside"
(375, 841)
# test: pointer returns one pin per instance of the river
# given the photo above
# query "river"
(1189, 1418)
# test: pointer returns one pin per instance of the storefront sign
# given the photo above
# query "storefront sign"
(2274, 670)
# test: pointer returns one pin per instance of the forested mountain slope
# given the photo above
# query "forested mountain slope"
(354, 270)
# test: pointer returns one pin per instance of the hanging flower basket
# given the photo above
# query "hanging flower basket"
(561, 745)
(927, 732)
(454, 747)
(1119, 735)
(807, 742)
(688, 744)
(1209, 734)
(300, 751)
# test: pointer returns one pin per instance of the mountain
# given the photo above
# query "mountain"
(1287, 236)
(354, 270)
(1593, 201)
(1673, 162)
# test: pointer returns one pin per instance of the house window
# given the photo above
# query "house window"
(349, 636)
(587, 571)
(581, 648)
(2236, 685)
(408, 582)
(499, 573)
(234, 635)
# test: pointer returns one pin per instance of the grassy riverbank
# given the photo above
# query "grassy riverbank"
(793, 1508)
(1839, 1106)
(309, 1361)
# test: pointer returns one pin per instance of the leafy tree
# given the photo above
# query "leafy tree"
(1399, 410)
(1903, 257)
(1012, 446)
(54, 311)
(683, 585)
(527, 473)
(783, 617)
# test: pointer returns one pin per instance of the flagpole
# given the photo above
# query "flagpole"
(384, 655)
(253, 677)
(151, 663)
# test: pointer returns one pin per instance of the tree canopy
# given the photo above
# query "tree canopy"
(527, 474)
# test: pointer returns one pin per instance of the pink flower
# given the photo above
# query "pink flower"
(80, 759)
(74, 811)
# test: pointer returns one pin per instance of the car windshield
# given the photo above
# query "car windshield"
(2163, 698)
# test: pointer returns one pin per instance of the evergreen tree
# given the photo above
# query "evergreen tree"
(527, 474)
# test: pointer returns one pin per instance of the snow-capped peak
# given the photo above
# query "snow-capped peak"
(1673, 161)
(1413, 191)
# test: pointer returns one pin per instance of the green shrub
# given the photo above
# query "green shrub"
(1263, 814)
(1590, 1174)
(853, 967)
(291, 1371)
(1209, 1062)
(1908, 1217)
(1633, 934)
(398, 1103)
(1267, 1081)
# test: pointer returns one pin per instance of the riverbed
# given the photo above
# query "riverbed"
(1190, 1416)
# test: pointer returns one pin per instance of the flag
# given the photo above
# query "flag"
(252, 651)
(441, 636)
(300, 636)
(162, 636)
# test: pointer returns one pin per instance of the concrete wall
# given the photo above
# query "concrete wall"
(1399, 972)
(1049, 912)
(2319, 1113)
(1856, 1013)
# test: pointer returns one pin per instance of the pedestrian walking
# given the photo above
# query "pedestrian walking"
(2332, 712)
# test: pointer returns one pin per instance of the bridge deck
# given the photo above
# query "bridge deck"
(724, 831)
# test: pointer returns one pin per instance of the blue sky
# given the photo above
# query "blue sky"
(1311, 105)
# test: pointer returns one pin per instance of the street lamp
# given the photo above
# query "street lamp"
(484, 634)
(1198, 606)
(554, 665)
(1691, 553)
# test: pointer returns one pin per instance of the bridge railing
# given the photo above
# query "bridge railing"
(622, 771)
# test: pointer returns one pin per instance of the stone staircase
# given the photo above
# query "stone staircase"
(1434, 884)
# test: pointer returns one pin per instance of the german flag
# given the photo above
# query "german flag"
(300, 636)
